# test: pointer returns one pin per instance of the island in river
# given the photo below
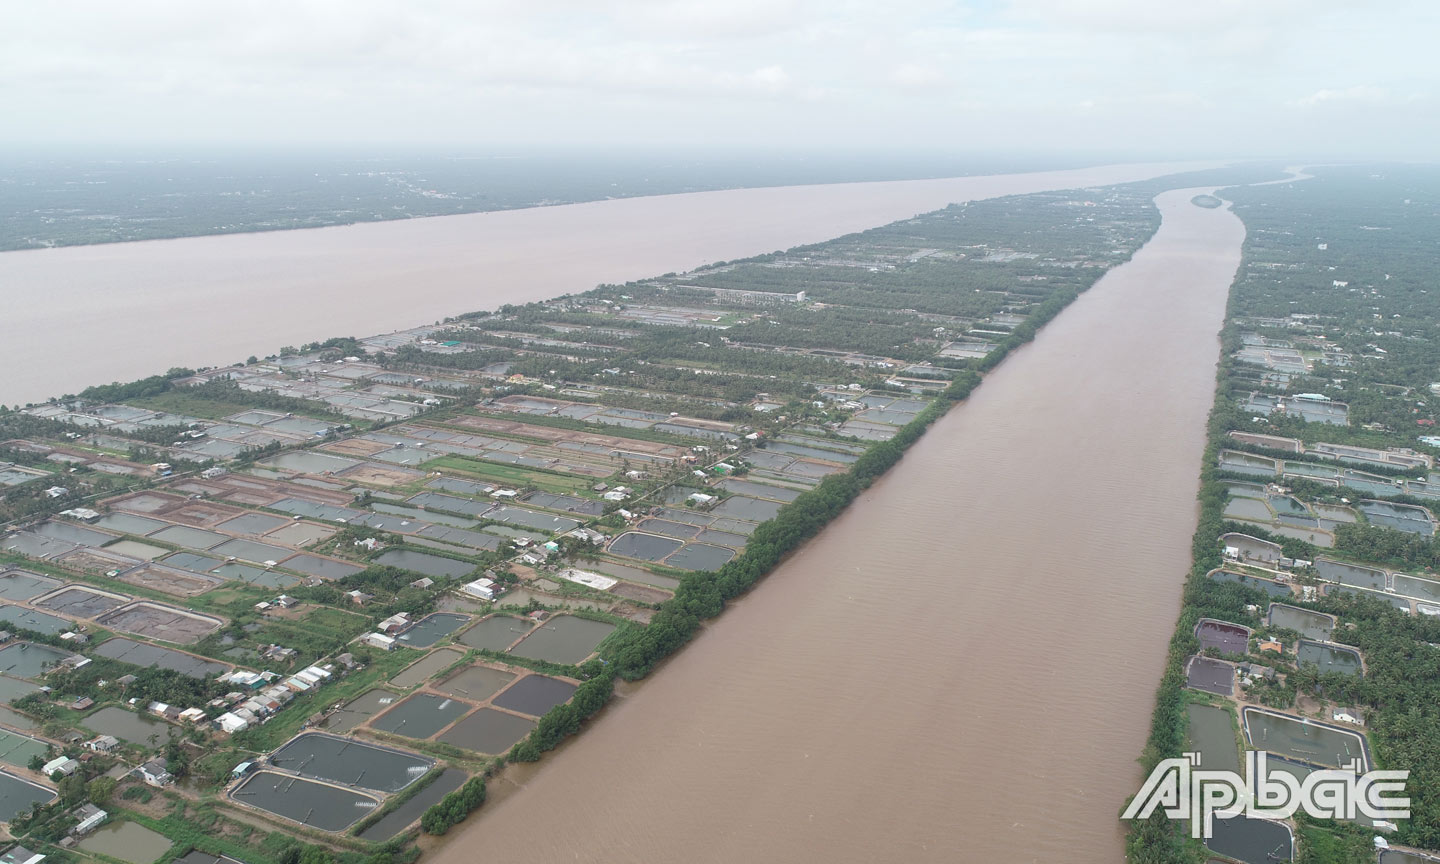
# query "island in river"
(451, 542)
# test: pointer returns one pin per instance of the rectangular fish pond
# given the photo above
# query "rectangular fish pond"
(128, 841)
(21, 618)
(1303, 740)
(1329, 658)
(317, 805)
(495, 633)
(424, 564)
(1350, 574)
(1311, 625)
(1223, 636)
(1252, 841)
(30, 660)
(360, 709)
(1209, 675)
(349, 762)
(488, 731)
(129, 726)
(17, 795)
(535, 694)
(1211, 733)
(426, 666)
(564, 639)
(421, 715)
(432, 628)
(1269, 586)
(476, 682)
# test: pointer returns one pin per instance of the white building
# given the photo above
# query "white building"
(64, 765)
(482, 588)
(230, 724)
(379, 640)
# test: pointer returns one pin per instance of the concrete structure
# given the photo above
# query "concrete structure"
(63, 765)
(154, 773)
(483, 589)
(89, 817)
(378, 640)
(230, 723)
(20, 855)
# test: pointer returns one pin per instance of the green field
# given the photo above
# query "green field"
(181, 402)
(508, 475)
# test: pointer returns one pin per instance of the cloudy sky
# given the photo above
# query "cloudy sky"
(1234, 78)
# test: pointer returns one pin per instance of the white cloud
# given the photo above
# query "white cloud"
(795, 72)
(1360, 94)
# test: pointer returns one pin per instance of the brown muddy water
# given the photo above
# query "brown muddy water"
(85, 315)
(963, 665)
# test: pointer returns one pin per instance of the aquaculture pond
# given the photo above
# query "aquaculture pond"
(18, 750)
(1269, 586)
(432, 628)
(129, 726)
(317, 805)
(421, 715)
(476, 683)
(18, 795)
(1299, 771)
(29, 659)
(1209, 675)
(1395, 600)
(1401, 517)
(1252, 841)
(1223, 636)
(22, 584)
(1212, 734)
(13, 688)
(1329, 658)
(399, 819)
(647, 547)
(535, 694)
(424, 563)
(1413, 586)
(1400, 856)
(488, 731)
(633, 574)
(20, 618)
(1303, 739)
(350, 762)
(127, 841)
(145, 654)
(700, 556)
(564, 639)
(1311, 625)
(495, 633)
(360, 709)
(1350, 574)
(426, 666)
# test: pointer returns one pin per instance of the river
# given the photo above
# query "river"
(84, 315)
(962, 667)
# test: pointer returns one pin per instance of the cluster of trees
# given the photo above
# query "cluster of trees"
(565, 720)
(1386, 546)
(454, 807)
(118, 392)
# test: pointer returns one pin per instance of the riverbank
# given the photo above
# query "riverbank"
(214, 300)
(939, 562)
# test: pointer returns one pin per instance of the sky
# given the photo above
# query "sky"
(1303, 79)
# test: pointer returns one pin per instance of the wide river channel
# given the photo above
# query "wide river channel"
(961, 668)
(84, 315)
